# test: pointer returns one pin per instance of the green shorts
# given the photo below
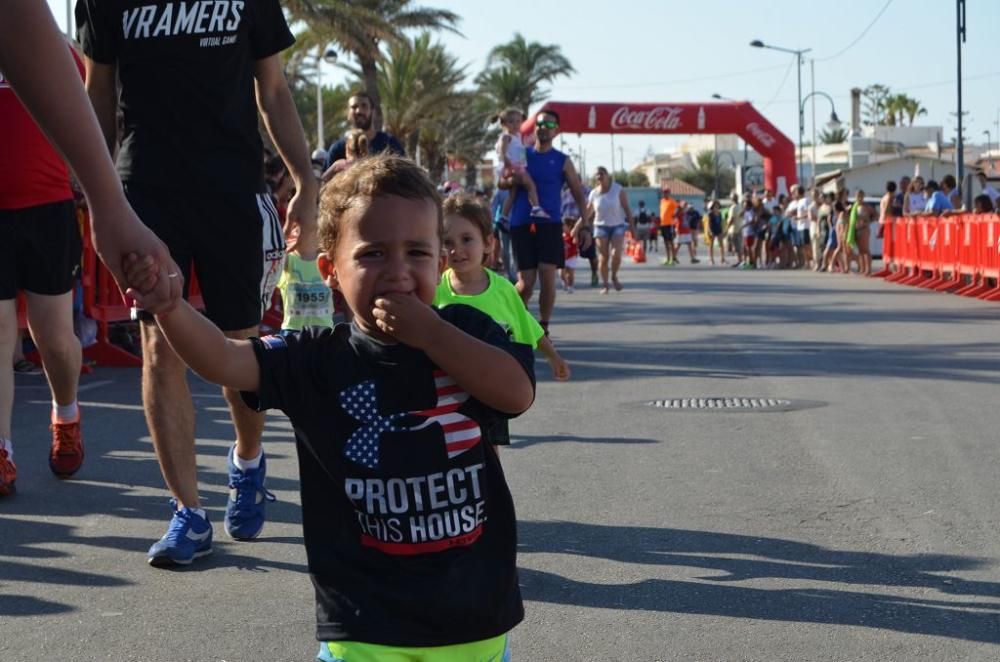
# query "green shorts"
(496, 649)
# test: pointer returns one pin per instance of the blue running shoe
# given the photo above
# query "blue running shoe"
(247, 499)
(188, 537)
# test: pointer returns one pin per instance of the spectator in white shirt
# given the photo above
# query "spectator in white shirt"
(988, 188)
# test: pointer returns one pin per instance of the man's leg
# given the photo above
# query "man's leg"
(546, 293)
(8, 338)
(526, 284)
(508, 256)
(249, 424)
(50, 319)
(169, 410)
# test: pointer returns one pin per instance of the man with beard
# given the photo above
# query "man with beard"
(360, 112)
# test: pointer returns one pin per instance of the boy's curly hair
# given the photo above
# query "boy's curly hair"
(371, 177)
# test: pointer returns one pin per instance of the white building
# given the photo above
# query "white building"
(872, 177)
(668, 165)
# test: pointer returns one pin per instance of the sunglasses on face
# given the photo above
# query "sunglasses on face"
(547, 124)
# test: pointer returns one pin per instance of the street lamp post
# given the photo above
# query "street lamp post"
(330, 57)
(798, 53)
(832, 125)
(745, 146)
(959, 148)
(715, 155)
(732, 159)
(989, 159)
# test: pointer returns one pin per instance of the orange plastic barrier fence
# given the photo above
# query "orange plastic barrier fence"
(958, 253)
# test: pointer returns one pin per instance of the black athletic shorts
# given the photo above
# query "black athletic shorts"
(590, 252)
(41, 249)
(668, 232)
(235, 242)
(539, 243)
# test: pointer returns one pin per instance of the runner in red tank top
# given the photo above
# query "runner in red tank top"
(38, 228)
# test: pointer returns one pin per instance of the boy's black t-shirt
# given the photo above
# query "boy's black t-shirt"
(409, 524)
(186, 85)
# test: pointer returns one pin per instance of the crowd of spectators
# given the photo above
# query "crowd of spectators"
(806, 229)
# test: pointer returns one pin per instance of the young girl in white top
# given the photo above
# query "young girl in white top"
(916, 198)
(512, 153)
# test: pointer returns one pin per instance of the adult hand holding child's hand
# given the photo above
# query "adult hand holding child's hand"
(407, 319)
(142, 275)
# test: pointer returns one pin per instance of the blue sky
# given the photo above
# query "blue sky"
(665, 50)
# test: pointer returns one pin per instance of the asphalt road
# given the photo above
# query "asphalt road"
(859, 525)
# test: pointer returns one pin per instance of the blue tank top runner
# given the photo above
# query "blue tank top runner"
(546, 169)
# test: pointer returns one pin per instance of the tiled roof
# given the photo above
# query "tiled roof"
(679, 187)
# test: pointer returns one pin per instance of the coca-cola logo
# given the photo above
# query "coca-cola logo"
(661, 118)
(765, 138)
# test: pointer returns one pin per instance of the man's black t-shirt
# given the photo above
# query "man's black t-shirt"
(409, 524)
(382, 142)
(186, 76)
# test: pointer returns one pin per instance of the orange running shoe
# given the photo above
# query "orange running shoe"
(8, 473)
(66, 455)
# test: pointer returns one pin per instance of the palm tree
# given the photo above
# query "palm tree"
(875, 100)
(895, 107)
(515, 72)
(913, 109)
(506, 88)
(833, 136)
(362, 26)
(702, 174)
(468, 134)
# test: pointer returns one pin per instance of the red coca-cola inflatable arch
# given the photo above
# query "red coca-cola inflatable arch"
(736, 117)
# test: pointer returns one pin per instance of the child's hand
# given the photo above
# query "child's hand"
(141, 275)
(560, 369)
(407, 319)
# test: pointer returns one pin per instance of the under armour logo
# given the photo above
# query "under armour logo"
(361, 403)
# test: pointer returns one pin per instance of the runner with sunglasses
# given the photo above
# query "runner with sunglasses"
(538, 242)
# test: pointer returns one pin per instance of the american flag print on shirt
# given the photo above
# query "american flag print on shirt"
(460, 432)
(361, 402)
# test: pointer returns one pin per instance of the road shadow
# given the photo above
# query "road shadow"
(791, 306)
(120, 479)
(742, 356)
(770, 558)
(518, 441)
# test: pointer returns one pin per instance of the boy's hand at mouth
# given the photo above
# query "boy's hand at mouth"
(407, 319)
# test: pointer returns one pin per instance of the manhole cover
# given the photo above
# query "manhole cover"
(727, 404)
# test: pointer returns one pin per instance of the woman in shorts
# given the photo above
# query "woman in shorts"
(612, 217)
